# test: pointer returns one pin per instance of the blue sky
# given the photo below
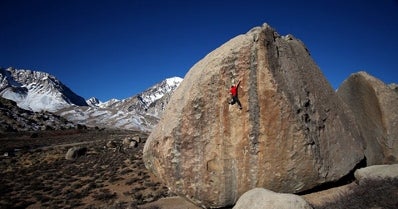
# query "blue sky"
(118, 48)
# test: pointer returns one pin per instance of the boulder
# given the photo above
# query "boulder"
(133, 144)
(111, 144)
(259, 198)
(126, 141)
(375, 106)
(75, 152)
(292, 134)
(137, 139)
(376, 172)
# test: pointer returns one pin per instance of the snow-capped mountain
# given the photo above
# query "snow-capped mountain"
(36, 91)
(151, 101)
(139, 112)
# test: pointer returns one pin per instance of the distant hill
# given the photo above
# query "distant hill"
(14, 119)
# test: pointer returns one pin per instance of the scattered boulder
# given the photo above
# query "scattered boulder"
(259, 198)
(137, 139)
(377, 172)
(75, 152)
(111, 144)
(375, 106)
(126, 142)
(133, 144)
(292, 134)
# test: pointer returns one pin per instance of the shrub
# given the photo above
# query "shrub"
(104, 195)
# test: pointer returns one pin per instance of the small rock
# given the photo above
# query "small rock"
(137, 139)
(126, 141)
(133, 144)
(75, 152)
(111, 144)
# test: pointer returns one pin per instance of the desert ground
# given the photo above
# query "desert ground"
(35, 174)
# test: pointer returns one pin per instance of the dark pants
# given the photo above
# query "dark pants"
(234, 100)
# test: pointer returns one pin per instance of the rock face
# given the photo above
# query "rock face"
(292, 134)
(375, 105)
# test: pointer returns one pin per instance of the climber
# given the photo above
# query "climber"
(234, 95)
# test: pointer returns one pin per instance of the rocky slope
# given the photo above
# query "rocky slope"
(15, 119)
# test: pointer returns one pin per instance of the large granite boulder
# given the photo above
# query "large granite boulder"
(292, 134)
(375, 106)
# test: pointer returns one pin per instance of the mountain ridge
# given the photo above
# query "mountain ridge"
(39, 91)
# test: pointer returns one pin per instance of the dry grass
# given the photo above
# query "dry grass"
(41, 177)
(38, 176)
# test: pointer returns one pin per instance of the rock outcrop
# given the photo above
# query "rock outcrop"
(375, 106)
(292, 134)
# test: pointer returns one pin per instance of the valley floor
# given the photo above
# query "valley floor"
(35, 174)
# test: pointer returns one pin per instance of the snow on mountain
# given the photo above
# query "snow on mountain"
(139, 112)
(154, 99)
(108, 103)
(93, 102)
(158, 91)
(36, 91)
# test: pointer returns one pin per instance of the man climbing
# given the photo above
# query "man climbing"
(234, 95)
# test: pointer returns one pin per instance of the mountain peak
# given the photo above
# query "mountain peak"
(36, 91)
(93, 101)
(173, 80)
(139, 112)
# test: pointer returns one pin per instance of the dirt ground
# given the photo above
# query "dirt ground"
(35, 174)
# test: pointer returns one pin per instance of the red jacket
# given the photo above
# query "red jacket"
(234, 90)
